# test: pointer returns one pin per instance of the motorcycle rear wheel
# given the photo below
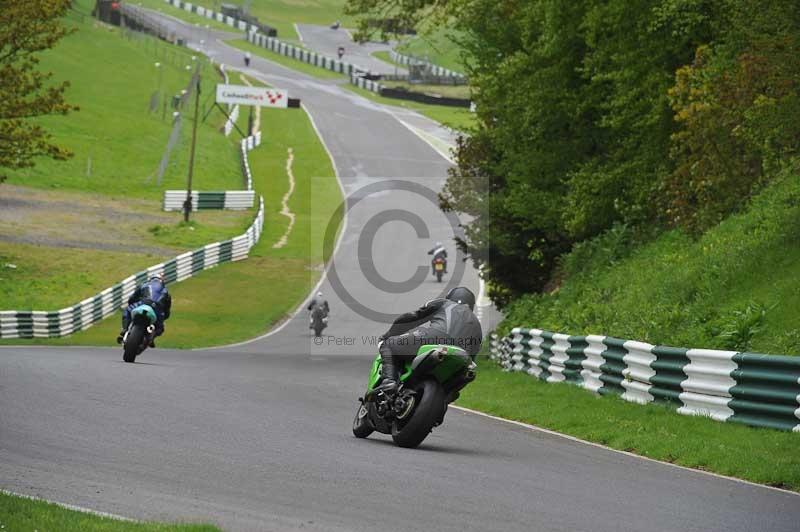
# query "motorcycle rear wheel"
(132, 343)
(428, 412)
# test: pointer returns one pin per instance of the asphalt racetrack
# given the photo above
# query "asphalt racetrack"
(257, 436)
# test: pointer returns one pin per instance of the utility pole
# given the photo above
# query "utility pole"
(187, 205)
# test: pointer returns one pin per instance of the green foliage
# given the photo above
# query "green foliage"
(648, 113)
(26, 28)
(740, 328)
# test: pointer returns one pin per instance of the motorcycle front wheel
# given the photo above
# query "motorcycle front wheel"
(361, 425)
(428, 412)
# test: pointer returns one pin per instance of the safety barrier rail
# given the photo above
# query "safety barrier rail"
(749, 388)
(305, 56)
(52, 324)
(436, 70)
(202, 200)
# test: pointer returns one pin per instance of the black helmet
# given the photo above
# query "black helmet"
(462, 295)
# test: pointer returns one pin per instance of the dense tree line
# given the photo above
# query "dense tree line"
(649, 113)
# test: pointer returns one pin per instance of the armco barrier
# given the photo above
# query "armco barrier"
(436, 70)
(305, 56)
(52, 324)
(749, 388)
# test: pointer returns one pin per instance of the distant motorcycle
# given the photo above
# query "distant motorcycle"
(140, 333)
(319, 320)
(427, 385)
(439, 267)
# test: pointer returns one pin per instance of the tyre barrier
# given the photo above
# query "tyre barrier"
(54, 324)
(749, 388)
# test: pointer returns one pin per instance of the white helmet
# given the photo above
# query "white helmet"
(319, 295)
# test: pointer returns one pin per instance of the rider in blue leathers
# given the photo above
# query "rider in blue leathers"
(154, 293)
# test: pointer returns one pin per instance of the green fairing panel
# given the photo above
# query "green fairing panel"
(456, 360)
(147, 310)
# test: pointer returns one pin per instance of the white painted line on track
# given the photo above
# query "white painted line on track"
(324, 275)
(299, 35)
(71, 507)
(425, 138)
(626, 453)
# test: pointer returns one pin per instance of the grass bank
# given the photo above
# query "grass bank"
(436, 47)
(23, 514)
(734, 288)
(230, 303)
(759, 455)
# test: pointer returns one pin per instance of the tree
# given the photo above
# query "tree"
(26, 28)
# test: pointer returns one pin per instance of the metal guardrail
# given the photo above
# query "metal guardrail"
(305, 56)
(52, 324)
(748, 388)
(436, 70)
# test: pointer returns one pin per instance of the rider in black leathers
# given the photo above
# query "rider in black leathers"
(438, 251)
(322, 303)
(447, 321)
(154, 293)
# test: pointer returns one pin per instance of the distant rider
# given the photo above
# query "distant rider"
(448, 321)
(247, 59)
(322, 303)
(438, 252)
(154, 293)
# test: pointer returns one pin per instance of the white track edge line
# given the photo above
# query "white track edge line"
(70, 506)
(325, 271)
(626, 453)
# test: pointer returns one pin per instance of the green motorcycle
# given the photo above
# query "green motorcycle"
(430, 382)
(139, 333)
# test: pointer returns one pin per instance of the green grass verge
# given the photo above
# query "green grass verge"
(386, 58)
(733, 288)
(436, 47)
(454, 117)
(288, 62)
(192, 18)
(759, 455)
(23, 514)
(272, 282)
(283, 14)
(114, 132)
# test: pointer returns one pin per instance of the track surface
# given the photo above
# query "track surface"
(326, 41)
(257, 436)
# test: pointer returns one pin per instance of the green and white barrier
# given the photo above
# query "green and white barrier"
(436, 70)
(212, 15)
(53, 324)
(749, 388)
(364, 83)
(227, 199)
(305, 56)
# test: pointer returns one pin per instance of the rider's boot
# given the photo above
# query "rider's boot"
(120, 336)
(389, 375)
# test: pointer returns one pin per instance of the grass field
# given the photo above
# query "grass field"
(18, 514)
(266, 286)
(436, 47)
(759, 455)
(284, 14)
(193, 18)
